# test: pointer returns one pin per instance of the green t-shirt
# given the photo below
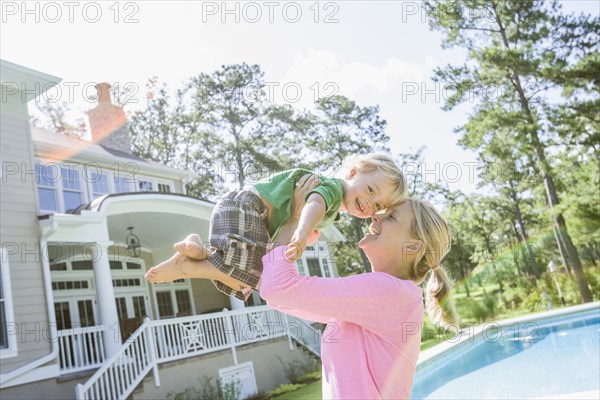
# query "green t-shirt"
(278, 191)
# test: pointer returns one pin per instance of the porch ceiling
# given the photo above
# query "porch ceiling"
(157, 231)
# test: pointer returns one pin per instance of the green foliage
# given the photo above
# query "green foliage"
(301, 371)
(54, 118)
(209, 390)
(476, 310)
(518, 54)
(284, 389)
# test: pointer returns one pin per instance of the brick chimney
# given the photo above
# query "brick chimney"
(108, 122)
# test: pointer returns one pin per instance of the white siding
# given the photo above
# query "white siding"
(19, 227)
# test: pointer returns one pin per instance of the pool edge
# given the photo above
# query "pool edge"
(477, 330)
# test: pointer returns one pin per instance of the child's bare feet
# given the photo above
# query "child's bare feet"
(192, 247)
(167, 271)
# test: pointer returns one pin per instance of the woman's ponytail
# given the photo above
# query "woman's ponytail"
(438, 301)
(429, 227)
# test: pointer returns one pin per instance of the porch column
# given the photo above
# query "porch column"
(106, 298)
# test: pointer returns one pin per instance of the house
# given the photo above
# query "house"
(81, 222)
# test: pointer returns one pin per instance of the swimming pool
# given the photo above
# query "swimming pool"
(552, 354)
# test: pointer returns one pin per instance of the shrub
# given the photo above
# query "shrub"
(474, 310)
(209, 390)
(295, 370)
(283, 389)
(593, 277)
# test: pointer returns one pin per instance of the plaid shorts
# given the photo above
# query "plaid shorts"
(240, 236)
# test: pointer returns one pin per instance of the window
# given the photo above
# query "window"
(99, 185)
(163, 187)
(300, 267)
(8, 342)
(326, 268)
(122, 184)
(184, 304)
(145, 186)
(314, 269)
(86, 313)
(121, 307)
(72, 191)
(84, 265)
(63, 315)
(115, 264)
(165, 305)
(58, 266)
(46, 177)
(139, 306)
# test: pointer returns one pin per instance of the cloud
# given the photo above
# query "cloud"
(334, 75)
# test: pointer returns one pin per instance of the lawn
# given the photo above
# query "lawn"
(311, 391)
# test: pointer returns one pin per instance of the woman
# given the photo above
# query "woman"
(371, 344)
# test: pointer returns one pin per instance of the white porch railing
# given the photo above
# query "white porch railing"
(176, 338)
(80, 349)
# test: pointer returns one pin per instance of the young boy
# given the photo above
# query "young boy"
(245, 220)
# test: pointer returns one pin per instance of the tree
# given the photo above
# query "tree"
(509, 174)
(166, 132)
(517, 48)
(54, 118)
(254, 137)
(339, 128)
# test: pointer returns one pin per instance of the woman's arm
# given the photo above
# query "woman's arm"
(372, 300)
(377, 301)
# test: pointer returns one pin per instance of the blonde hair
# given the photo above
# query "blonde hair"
(430, 227)
(387, 168)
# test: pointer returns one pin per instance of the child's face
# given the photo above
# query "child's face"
(366, 193)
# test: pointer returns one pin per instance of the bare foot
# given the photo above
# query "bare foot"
(167, 271)
(192, 247)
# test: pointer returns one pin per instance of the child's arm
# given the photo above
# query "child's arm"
(312, 214)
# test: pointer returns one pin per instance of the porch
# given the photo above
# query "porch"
(162, 341)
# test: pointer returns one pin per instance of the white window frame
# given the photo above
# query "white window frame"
(155, 182)
(319, 253)
(91, 292)
(140, 179)
(128, 292)
(57, 199)
(11, 350)
(171, 288)
(59, 187)
(126, 181)
(167, 183)
(82, 185)
(87, 185)
(109, 185)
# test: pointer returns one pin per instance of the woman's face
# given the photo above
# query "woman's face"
(389, 244)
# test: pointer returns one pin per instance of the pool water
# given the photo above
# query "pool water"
(548, 357)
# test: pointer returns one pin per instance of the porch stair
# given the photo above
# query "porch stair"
(162, 341)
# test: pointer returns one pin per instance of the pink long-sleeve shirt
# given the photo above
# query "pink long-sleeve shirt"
(371, 343)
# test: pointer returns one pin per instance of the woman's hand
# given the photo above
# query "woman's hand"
(300, 238)
(304, 185)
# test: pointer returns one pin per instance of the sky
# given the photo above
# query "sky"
(374, 52)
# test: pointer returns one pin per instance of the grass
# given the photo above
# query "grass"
(309, 392)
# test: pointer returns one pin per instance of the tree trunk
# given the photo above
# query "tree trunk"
(561, 249)
(529, 253)
(526, 265)
(559, 220)
(463, 276)
(498, 278)
(593, 259)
